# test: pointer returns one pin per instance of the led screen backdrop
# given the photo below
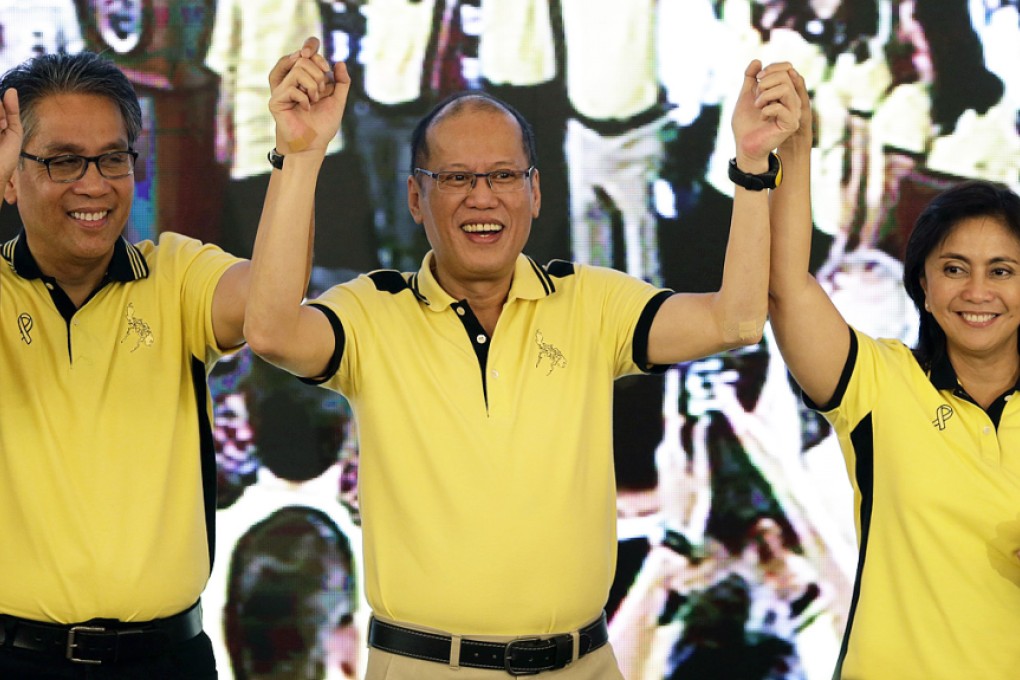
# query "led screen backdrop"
(630, 100)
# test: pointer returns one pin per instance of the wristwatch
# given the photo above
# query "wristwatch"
(275, 159)
(767, 180)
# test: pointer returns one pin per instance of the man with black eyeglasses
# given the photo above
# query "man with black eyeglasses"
(107, 469)
(482, 383)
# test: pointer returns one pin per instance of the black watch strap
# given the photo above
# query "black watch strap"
(766, 180)
(275, 159)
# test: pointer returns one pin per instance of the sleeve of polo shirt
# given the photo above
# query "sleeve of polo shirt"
(348, 307)
(198, 267)
(626, 308)
(868, 365)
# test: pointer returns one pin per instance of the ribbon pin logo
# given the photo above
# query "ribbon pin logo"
(25, 324)
(942, 414)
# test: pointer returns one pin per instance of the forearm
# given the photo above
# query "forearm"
(741, 304)
(809, 329)
(281, 260)
(696, 325)
(790, 218)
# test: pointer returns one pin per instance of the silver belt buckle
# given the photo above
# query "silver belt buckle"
(71, 644)
(523, 644)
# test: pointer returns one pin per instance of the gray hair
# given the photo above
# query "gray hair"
(81, 73)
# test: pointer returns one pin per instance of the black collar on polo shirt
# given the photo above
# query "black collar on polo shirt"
(943, 377)
(127, 263)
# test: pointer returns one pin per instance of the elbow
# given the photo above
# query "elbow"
(261, 338)
(744, 333)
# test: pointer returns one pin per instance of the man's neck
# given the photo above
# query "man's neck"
(78, 281)
(485, 297)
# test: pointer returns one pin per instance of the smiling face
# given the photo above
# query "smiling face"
(972, 287)
(72, 227)
(476, 236)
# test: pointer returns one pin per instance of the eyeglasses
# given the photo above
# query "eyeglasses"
(69, 167)
(500, 181)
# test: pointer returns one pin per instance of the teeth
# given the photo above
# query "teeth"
(89, 217)
(482, 228)
(977, 318)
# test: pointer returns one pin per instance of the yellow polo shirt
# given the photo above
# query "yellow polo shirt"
(937, 491)
(107, 469)
(486, 470)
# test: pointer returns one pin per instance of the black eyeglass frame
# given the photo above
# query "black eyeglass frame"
(523, 174)
(85, 166)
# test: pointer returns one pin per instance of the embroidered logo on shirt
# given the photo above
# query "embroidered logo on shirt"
(139, 327)
(25, 324)
(942, 414)
(546, 349)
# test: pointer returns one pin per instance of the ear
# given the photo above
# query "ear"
(414, 199)
(11, 190)
(536, 195)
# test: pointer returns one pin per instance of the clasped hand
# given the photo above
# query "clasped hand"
(768, 111)
(308, 99)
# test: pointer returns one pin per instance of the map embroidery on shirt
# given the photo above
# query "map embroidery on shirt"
(136, 325)
(545, 349)
(942, 414)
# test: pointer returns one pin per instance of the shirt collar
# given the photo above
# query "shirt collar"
(530, 281)
(127, 263)
(942, 374)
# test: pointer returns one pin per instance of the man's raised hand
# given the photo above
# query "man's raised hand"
(308, 99)
(11, 134)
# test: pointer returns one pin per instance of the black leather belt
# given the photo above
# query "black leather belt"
(101, 641)
(524, 656)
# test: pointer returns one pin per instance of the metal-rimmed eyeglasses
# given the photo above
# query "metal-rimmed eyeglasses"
(70, 167)
(459, 182)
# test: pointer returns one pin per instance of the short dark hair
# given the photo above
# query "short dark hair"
(460, 101)
(971, 198)
(80, 73)
(281, 586)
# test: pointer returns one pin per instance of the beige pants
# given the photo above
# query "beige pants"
(599, 665)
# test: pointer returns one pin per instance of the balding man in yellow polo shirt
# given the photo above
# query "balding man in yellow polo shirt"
(482, 383)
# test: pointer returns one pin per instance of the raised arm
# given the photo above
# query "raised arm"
(693, 325)
(307, 103)
(11, 135)
(811, 333)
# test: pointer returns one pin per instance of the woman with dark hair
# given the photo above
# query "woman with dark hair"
(931, 435)
(967, 201)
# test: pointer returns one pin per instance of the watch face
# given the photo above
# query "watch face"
(119, 23)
